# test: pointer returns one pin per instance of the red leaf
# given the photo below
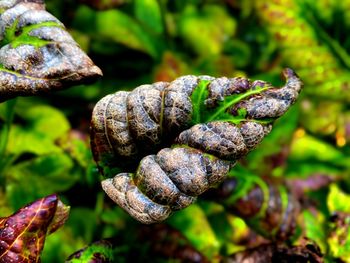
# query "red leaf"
(22, 235)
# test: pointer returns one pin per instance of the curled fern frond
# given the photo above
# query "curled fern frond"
(210, 123)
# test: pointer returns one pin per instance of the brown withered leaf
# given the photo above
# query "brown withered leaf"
(37, 54)
(299, 186)
(169, 243)
(59, 218)
(271, 210)
(275, 253)
(22, 235)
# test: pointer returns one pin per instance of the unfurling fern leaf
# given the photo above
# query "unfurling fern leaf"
(210, 123)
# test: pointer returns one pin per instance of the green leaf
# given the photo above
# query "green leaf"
(202, 113)
(246, 181)
(307, 46)
(61, 244)
(77, 148)
(337, 200)
(104, 4)
(198, 97)
(239, 51)
(228, 102)
(22, 140)
(201, 30)
(321, 117)
(43, 125)
(339, 237)
(40, 176)
(97, 252)
(228, 230)
(85, 228)
(304, 169)
(45, 120)
(148, 12)
(7, 110)
(121, 28)
(193, 224)
(314, 228)
(306, 147)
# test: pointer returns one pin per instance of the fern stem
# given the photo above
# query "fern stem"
(9, 114)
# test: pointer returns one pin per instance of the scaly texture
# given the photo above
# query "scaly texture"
(210, 123)
(37, 54)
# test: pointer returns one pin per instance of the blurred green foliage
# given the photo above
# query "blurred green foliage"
(44, 143)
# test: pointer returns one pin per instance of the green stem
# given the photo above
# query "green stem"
(163, 10)
(9, 113)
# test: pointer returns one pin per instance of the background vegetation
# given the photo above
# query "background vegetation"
(44, 143)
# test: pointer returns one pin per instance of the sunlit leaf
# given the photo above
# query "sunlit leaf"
(206, 30)
(37, 134)
(148, 12)
(193, 224)
(97, 252)
(321, 117)
(337, 200)
(121, 28)
(61, 244)
(39, 176)
(307, 147)
(45, 120)
(339, 236)
(314, 229)
(306, 47)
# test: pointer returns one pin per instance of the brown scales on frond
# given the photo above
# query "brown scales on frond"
(126, 126)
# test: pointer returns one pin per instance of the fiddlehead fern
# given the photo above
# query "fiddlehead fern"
(209, 122)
